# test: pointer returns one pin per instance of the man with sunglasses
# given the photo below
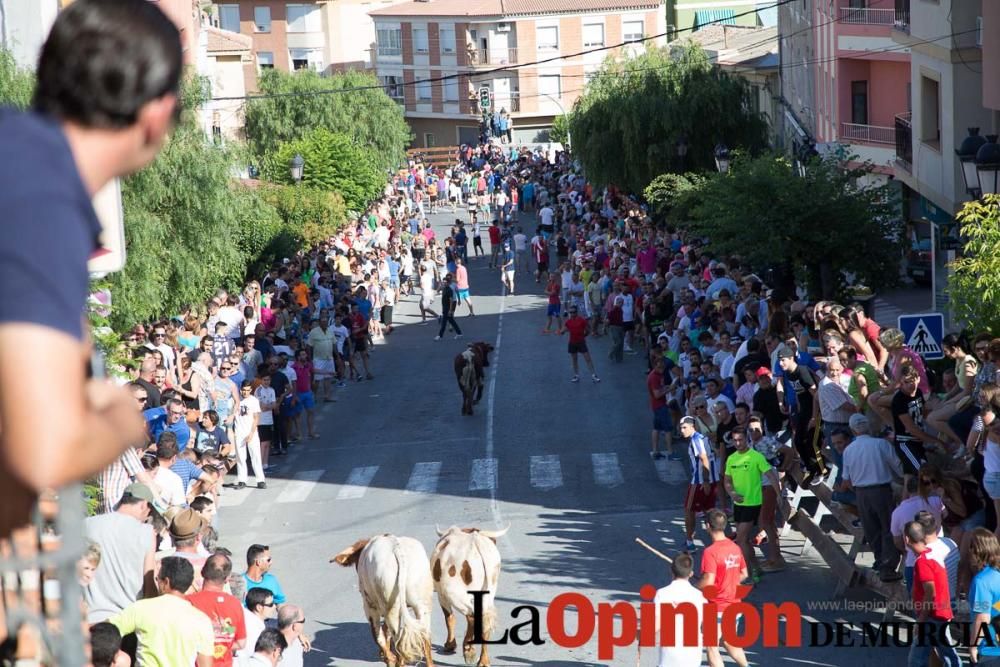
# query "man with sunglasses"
(260, 603)
(85, 130)
(258, 574)
(170, 417)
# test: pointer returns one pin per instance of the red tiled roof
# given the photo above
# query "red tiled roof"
(504, 8)
(221, 41)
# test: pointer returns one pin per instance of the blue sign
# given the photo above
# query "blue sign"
(923, 333)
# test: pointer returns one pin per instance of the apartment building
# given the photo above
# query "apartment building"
(320, 35)
(420, 41)
(797, 97)
(694, 15)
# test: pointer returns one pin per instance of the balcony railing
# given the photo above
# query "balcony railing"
(902, 21)
(867, 16)
(493, 57)
(867, 134)
(515, 101)
(904, 141)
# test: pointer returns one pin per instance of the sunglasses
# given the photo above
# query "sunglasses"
(142, 399)
(159, 335)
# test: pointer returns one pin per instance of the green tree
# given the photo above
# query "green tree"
(628, 121)
(16, 85)
(292, 105)
(310, 214)
(666, 195)
(816, 226)
(333, 162)
(560, 129)
(974, 286)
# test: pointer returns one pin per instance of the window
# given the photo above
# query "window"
(930, 111)
(265, 60)
(393, 87)
(589, 74)
(447, 38)
(262, 19)
(229, 17)
(451, 90)
(632, 31)
(389, 41)
(593, 34)
(303, 18)
(429, 141)
(859, 102)
(547, 38)
(551, 85)
(420, 40)
(306, 59)
(423, 89)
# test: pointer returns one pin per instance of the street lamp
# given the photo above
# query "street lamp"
(722, 158)
(988, 166)
(967, 157)
(296, 166)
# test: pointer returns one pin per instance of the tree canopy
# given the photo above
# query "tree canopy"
(974, 286)
(627, 122)
(333, 162)
(16, 85)
(819, 224)
(295, 104)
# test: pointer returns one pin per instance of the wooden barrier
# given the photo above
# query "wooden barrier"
(439, 157)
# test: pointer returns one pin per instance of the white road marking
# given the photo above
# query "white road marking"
(300, 486)
(490, 413)
(607, 471)
(424, 478)
(484, 476)
(546, 473)
(234, 498)
(670, 472)
(357, 483)
(257, 521)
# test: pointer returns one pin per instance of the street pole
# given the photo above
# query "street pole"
(569, 138)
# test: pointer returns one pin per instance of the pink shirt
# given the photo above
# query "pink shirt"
(461, 277)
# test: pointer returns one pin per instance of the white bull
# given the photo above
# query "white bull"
(467, 559)
(396, 590)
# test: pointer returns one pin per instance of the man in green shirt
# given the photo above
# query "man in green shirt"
(745, 473)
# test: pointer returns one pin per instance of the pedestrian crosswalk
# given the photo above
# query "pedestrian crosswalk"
(544, 473)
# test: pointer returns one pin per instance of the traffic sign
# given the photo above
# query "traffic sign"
(110, 256)
(923, 333)
(485, 98)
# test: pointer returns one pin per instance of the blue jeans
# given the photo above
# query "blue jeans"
(920, 653)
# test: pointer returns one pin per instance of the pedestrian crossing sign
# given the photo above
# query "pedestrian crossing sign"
(923, 334)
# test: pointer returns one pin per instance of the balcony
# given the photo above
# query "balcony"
(856, 133)
(902, 21)
(867, 16)
(495, 57)
(515, 101)
(904, 141)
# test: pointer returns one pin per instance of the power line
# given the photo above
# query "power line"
(506, 68)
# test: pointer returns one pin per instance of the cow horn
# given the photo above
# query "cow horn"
(495, 534)
(438, 530)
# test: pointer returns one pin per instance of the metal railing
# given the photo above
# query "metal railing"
(867, 16)
(902, 20)
(515, 102)
(868, 134)
(904, 140)
(493, 57)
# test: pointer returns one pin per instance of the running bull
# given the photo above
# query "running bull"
(469, 367)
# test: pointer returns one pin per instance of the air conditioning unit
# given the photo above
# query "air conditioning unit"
(503, 27)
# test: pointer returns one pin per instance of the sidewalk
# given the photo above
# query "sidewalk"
(905, 301)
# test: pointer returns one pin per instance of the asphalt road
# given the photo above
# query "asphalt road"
(565, 465)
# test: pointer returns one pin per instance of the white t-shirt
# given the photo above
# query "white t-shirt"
(628, 308)
(520, 242)
(265, 395)
(905, 512)
(172, 489)
(545, 215)
(255, 626)
(243, 424)
(679, 592)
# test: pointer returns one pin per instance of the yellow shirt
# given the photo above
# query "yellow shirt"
(170, 630)
(321, 343)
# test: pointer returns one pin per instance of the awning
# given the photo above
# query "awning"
(714, 16)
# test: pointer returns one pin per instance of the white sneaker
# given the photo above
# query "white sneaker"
(437, 337)
(595, 378)
(457, 336)
(576, 378)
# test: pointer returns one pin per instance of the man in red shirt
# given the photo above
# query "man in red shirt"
(931, 601)
(662, 423)
(494, 244)
(224, 610)
(578, 328)
(722, 569)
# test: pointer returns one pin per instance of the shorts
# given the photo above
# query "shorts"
(699, 500)
(746, 513)
(477, 242)
(578, 348)
(265, 432)
(418, 255)
(360, 344)
(426, 302)
(323, 367)
(543, 265)
(662, 421)
(553, 310)
(628, 326)
(463, 295)
(306, 400)
(387, 315)
(508, 276)
(911, 455)
(991, 482)
(394, 282)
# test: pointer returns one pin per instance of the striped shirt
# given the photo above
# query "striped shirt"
(116, 478)
(697, 445)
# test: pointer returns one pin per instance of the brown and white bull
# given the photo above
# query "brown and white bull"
(469, 372)
(396, 591)
(467, 559)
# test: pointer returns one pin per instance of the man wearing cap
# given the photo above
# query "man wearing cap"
(870, 466)
(127, 553)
